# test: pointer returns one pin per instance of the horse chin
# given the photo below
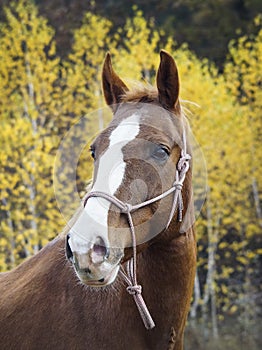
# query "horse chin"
(108, 278)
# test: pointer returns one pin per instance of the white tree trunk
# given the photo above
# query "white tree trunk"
(209, 290)
(197, 297)
(257, 201)
(31, 185)
(11, 237)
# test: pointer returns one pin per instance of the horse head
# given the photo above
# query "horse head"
(140, 164)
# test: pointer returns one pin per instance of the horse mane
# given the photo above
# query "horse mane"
(147, 93)
(141, 93)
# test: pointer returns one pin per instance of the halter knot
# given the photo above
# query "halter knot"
(183, 162)
(134, 290)
(127, 208)
(178, 185)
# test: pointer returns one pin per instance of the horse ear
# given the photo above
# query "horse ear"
(168, 82)
(113, 86)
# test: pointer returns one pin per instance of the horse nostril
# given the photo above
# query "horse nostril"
(69, 253)
(86, 270)
(100, 252)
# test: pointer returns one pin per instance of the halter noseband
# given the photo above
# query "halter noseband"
(130, 274)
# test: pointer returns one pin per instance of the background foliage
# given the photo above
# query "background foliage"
(43, 93)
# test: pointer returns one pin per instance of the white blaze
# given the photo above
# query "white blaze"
(111, 171)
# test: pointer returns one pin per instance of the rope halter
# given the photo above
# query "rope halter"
(130, 275)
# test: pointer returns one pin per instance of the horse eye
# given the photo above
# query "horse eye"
(160, 153)
(92, 152)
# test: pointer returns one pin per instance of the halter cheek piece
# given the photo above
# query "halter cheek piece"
(130, 274)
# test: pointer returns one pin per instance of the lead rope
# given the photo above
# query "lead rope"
(130, 276)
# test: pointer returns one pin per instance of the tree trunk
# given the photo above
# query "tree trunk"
(31, 186)
(257, 201)
(197, 297)
(209, 290)
(11, 237)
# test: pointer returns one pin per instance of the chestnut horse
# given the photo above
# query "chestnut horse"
(126, 279)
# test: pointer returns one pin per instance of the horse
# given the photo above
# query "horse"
(121, 275)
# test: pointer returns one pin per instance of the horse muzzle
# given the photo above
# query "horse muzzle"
(98, 266)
